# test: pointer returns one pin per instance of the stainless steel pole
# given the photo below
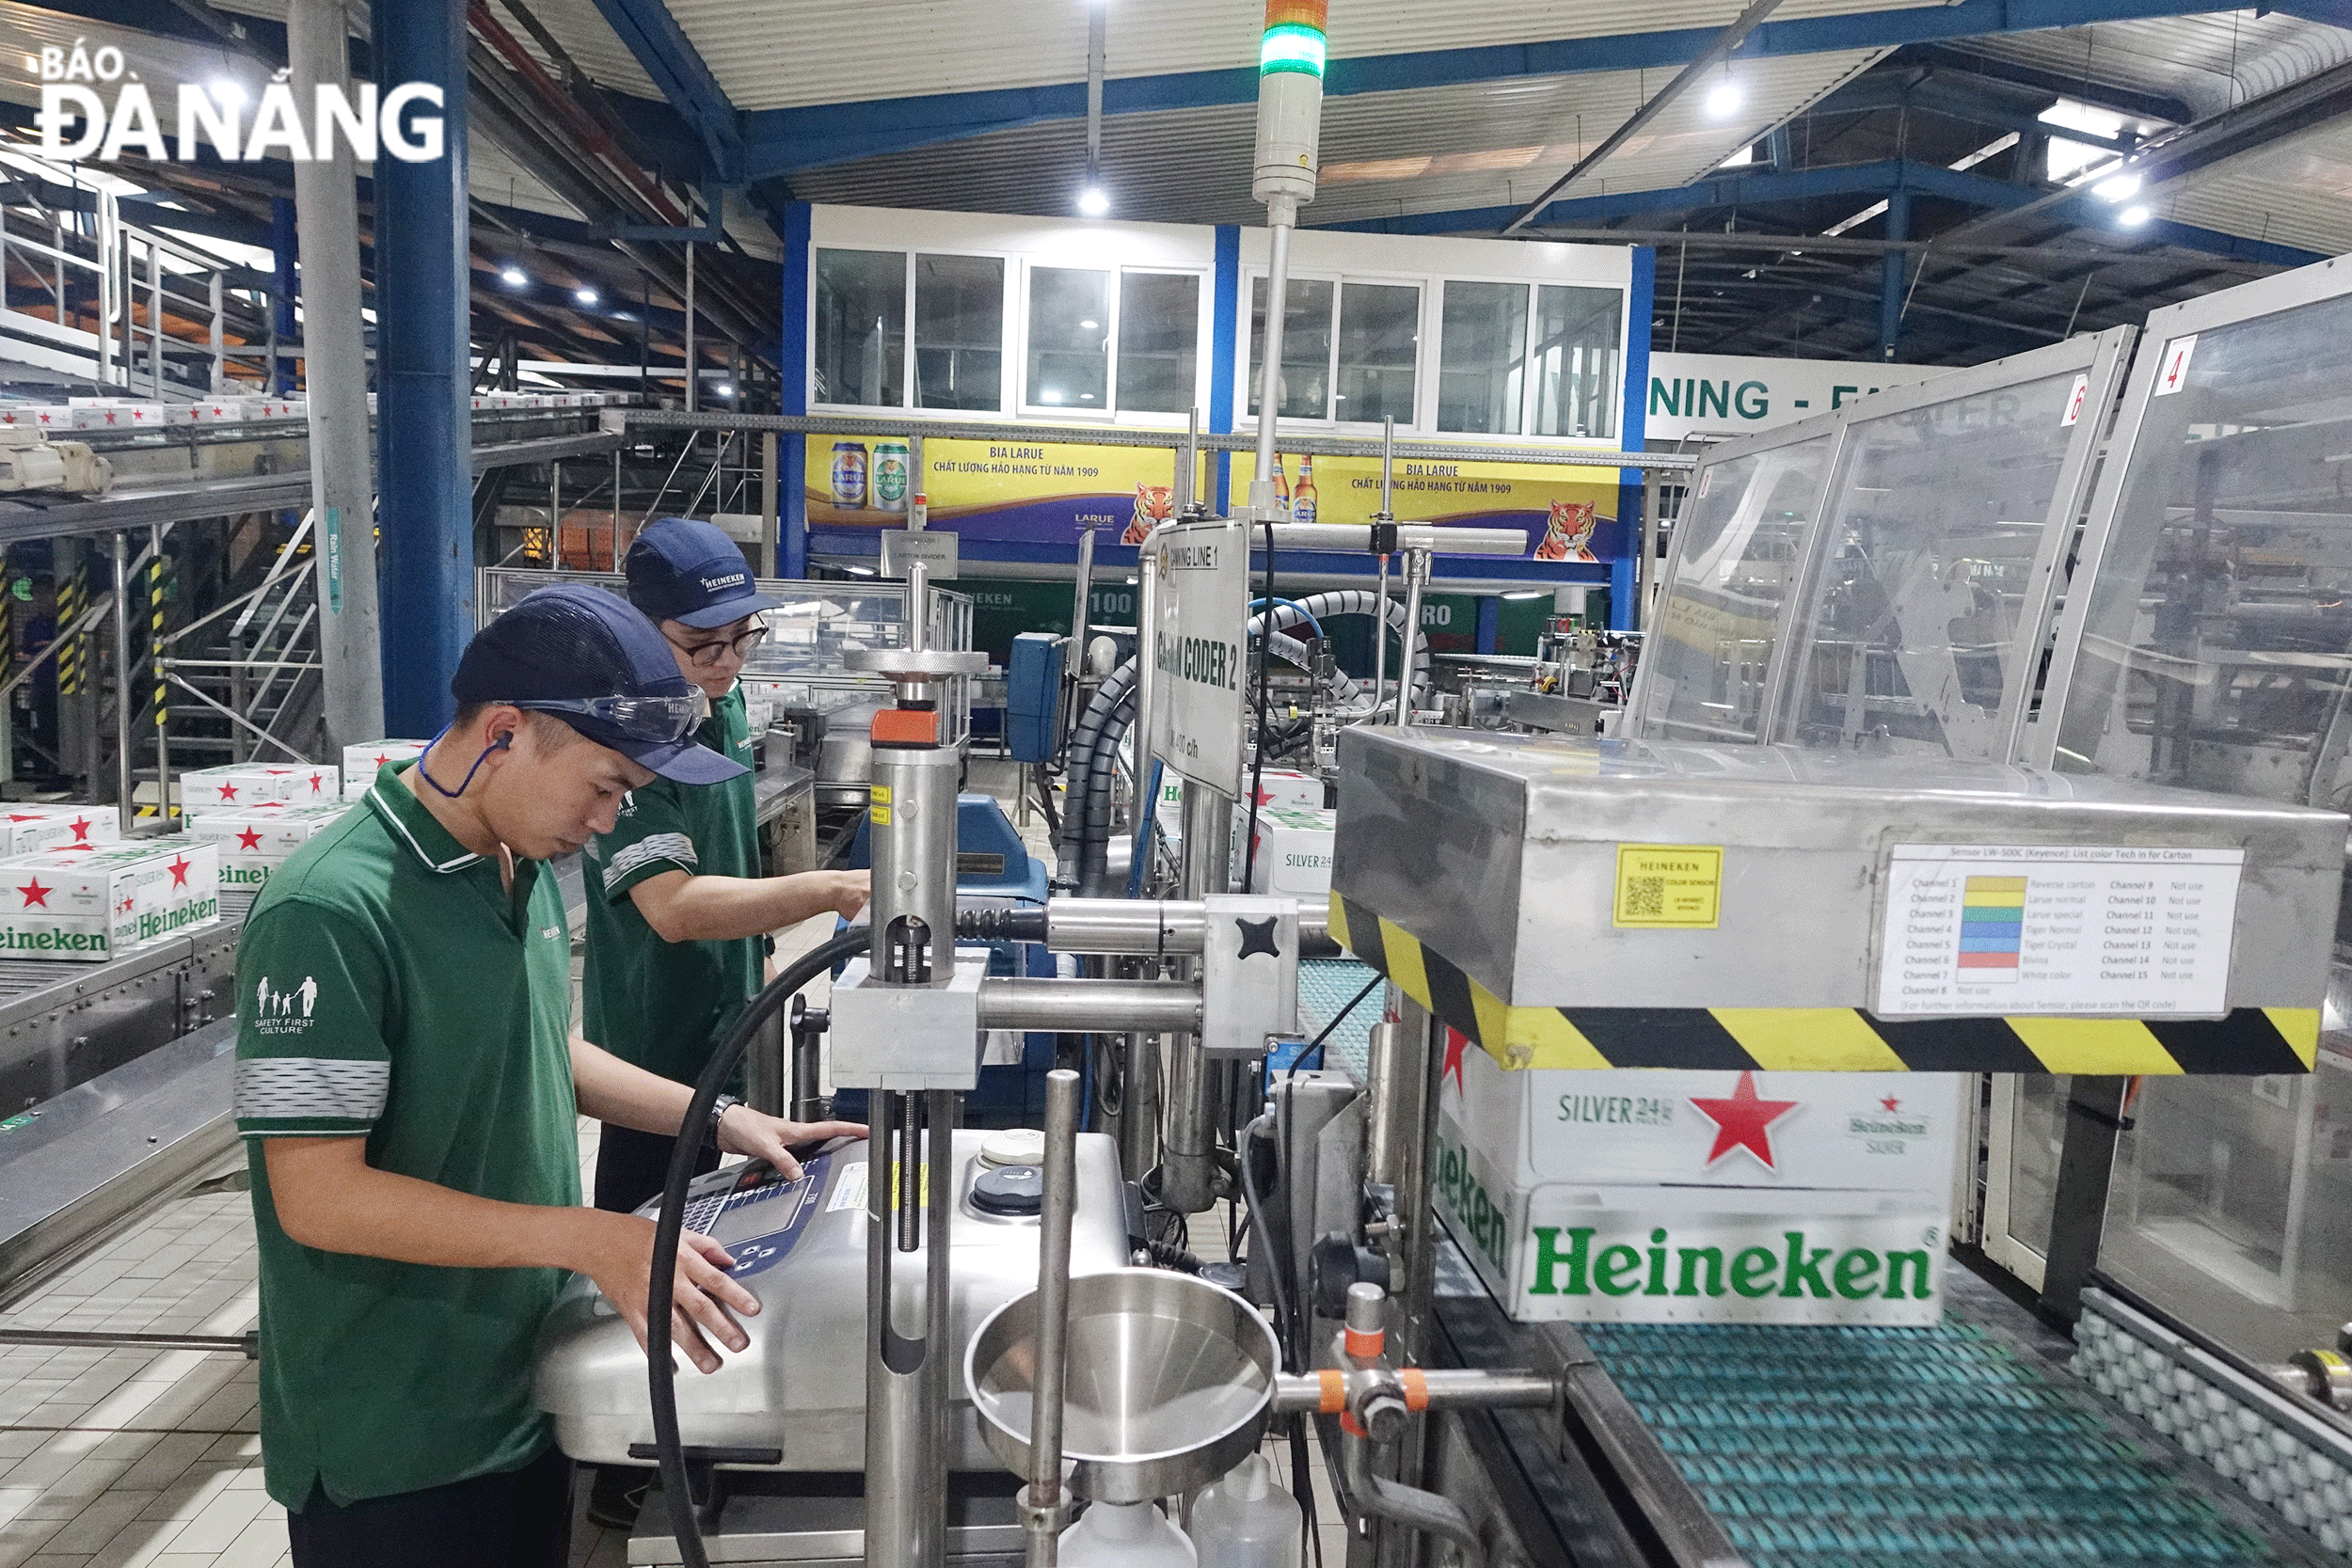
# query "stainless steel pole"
(692, 372)
(1187, 1167)
(1415, 575)
(156, 659)
(1078, 609)
(123, 812)
(1270, 371)
(1380, 632)
(343, 448)
(1042, 1513)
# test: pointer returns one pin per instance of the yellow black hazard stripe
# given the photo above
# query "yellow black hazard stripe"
(1820, 1040)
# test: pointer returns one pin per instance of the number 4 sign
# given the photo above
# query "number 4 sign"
(2080, 390)
(2174, 374)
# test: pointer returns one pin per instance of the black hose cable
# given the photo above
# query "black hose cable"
(660, 1369)
(1257, 758)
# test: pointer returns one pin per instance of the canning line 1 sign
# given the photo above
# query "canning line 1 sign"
(1196, 660)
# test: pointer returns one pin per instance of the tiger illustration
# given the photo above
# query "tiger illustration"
(1155, 504)
(1569, 534)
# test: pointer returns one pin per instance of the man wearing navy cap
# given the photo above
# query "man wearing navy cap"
(410, 1105)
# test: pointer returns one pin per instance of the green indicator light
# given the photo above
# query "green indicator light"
(1290, 46)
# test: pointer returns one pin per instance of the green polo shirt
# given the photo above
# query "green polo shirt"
(391, 986)
(663, 1004)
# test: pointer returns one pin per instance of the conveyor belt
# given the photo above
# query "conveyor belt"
(1865, 1447)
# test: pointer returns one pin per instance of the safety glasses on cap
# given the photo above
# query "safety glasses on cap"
(654, 721)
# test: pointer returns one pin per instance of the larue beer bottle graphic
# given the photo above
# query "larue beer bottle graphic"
(1303, 498)
(1282, 485)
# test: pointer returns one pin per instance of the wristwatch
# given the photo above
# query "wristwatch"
(718, 1109)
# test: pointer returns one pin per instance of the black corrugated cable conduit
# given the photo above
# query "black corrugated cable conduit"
(661, 1368)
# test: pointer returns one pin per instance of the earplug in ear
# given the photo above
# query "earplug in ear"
(503, 743)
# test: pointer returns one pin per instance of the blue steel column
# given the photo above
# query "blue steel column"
(1224, 341)
(792, 456)
(1641, 306)
(423, 298)
(1893, 269)
(284, 245)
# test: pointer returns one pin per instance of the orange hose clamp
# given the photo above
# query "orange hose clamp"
(906, 726)
(1416, 1387)
(1334, 1391)
(1364, 1345)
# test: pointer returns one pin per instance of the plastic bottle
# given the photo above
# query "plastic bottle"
(1124, 1535)
(1246, 1521)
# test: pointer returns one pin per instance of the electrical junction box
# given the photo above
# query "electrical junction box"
(1592, 903)
(1699, 1196)
(908, 1038)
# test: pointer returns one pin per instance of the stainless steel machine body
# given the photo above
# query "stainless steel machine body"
(799, 1389)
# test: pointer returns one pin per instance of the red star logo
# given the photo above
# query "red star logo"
(1744, 1121)
(316, 779)
(126, 906)
(381, 761)
(34, 894)
(23, 817)
(46, 417)
(249, 838)
(1890, 1103)
(1456, 1043)
(227, 792)
(179, 869)
(110, 416)
(80, 829)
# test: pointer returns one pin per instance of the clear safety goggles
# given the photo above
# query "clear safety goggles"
(654, 721)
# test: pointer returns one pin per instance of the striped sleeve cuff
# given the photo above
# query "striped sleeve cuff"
(309, 1094)
(638, 861)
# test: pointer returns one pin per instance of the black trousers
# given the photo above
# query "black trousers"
(520, 1519)
(631, 1166)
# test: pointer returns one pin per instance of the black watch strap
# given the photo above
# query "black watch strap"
(718, 1109)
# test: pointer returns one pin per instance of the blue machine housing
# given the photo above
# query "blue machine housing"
(992, 866)
(1033, 695)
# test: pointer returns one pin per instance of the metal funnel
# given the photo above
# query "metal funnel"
(1170, 1381)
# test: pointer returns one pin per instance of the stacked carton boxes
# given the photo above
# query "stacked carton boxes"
(361, 761)
(235, 785)
(252, 844)
(89, 906)
(27, 825)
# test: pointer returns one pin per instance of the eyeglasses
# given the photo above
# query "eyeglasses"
(656, 720)
(705, 656)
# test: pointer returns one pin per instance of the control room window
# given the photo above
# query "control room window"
(861, 327)
(1577, 366)
(1305, 391)
(1482, 357)
(960, 332)
(1159, 341)
(1379, 334)
(1070, 338)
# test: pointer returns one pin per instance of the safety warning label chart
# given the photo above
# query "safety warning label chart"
(2057, 928)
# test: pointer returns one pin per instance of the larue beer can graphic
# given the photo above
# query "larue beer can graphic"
(891, 462)
(849, 473)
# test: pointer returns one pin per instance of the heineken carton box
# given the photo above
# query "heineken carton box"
(1293, 852)
(253, 843)
(92, 905)
(1699, 1196)
(235, 785)
(27, 825)
(362, 762)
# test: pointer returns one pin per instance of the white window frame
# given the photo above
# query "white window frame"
(1436, 318)
(1245, 346)
(906, 407)
(1203, 350)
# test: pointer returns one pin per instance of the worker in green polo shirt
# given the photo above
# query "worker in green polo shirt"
(409, 1086)
(679, 913)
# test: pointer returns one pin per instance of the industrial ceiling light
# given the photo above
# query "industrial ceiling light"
(1724, 98)
(1529, 593)
(2132, 217)
(725, 388)
(230, 95)
(513, 275)
(2117, 187)
(586, 296)
(1093, 200)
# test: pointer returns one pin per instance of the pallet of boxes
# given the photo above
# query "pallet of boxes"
(253, 818)
(73, 889)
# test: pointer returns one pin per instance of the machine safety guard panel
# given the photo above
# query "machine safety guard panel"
(1574, 903)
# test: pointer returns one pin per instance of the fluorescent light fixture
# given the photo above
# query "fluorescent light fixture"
(1089, 326)
(1529, 593)
(1049, 395)
(1093, 200)
(513, 275)
(2132, 217)
(586, 296)
(725, 388)
(2116, 187)
(859, 571)
(1724, 98)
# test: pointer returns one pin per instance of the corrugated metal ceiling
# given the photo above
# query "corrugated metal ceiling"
(771, 55)
(1432, 150)
(2214, 62)
(2298, 192)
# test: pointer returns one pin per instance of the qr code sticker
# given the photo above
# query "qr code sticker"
(1644, 895)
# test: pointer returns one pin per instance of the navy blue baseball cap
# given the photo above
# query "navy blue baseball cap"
(583, 655)
(689, 572)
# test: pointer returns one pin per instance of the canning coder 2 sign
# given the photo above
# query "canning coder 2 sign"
(1201, 572)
